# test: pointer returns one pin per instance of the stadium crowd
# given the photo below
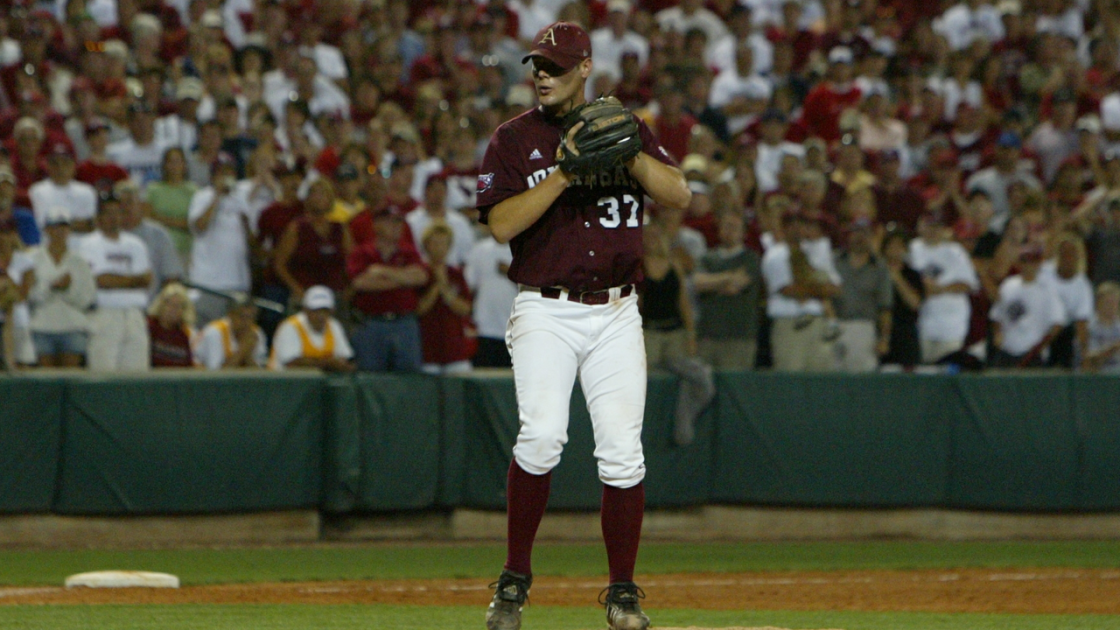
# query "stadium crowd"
(877, 184)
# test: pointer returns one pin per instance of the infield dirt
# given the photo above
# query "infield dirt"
(1027, 591)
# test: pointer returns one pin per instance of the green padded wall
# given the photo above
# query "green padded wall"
(188, 443)
(30, 429)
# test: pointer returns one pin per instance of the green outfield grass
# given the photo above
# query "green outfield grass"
(305, 617)
(326, 562)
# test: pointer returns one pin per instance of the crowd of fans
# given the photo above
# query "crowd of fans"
(228, 183)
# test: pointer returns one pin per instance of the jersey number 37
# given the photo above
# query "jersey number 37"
(614, 209)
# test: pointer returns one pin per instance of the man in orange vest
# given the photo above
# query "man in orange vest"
(312, 338)
(234, 341)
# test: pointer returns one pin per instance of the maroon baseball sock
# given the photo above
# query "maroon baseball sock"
(621, 514)
(526, 498)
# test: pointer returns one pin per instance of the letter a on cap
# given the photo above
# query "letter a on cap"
(549, 36)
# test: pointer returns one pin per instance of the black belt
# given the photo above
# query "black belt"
(593, 298)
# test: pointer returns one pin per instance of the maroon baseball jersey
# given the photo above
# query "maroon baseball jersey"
(590, 239)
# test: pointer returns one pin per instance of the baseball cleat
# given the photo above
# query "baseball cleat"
(510, 593)
(623, 610)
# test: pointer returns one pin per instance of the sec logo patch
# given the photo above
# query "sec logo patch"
(485, 181)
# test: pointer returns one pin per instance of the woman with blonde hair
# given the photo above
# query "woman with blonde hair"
(171, 319)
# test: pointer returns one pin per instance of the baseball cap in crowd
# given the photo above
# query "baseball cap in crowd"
(1064, 95)
(563, 43)
(223, 160)
(859, 223)
(773, 114)
(1090, 123)
(61, 149)
(890, 154)
(694, 163)
(6, 175)
(1031, 253)
(390, 211)
(757, 88)
(345, 172)
(189, 88)
(931, 217)
(28, 123)
(840, 54)
(140, 107)
(211, 18)
(520, 96)
(1009, 140)
(57, 215)
(96, 124)
(318, 297)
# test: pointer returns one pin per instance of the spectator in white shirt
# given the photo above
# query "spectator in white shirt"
(996, 179)
(328, 59)
(485, 272)
(1066, 275)
(532, 16)
(60, 189)
(1027, 316)
(234, 341)
(167, 266)
(435, 209)
(1104, 331)
(141, 154)
(739, 93)
(722, 51)
(219, 222)
(970, 21)
(610, 42)
(63, 292)
(119, 262)
(181, 128)
(772, 148)
(798, 282)
(949, 277)
(690, 14)
(312, 338)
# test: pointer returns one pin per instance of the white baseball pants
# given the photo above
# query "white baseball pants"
(551, 342)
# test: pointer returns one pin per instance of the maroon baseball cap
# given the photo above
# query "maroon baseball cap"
(391, 211)
(563, 43)
(61, 149)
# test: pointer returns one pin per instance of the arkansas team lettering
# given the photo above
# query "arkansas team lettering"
(619, 177)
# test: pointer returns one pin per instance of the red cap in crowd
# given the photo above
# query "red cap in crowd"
(563, 43)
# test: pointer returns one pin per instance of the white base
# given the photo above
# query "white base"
(123, 579)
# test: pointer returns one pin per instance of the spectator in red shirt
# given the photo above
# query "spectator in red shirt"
(271, 226)
(821, 112)
(314, 249)
(170, 326)
(98, 170)
(673, 125)
(385, 275)
(445, 308)
(898, 204)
